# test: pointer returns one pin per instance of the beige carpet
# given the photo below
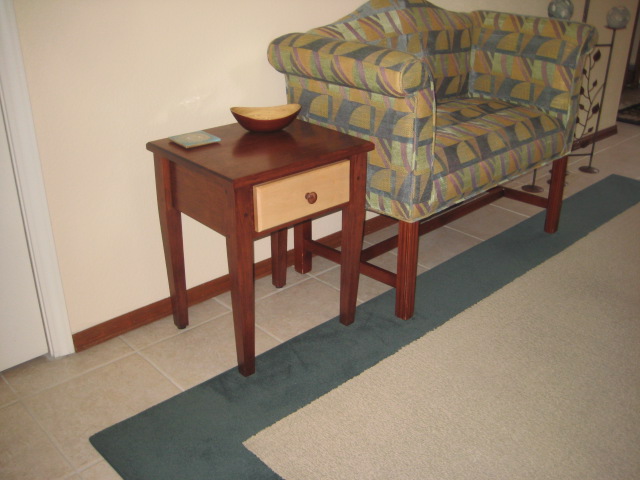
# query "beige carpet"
(541, 380)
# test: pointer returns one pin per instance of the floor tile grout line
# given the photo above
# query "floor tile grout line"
(76, 376)
(285, 287)
(314, 273)
(270, 294)
(50, 437)
(162, 372)
(220, 302)
(178, 331)
(358, 298)
(621, 141)
(143, 354)
(324, 282)
(267, 332)
(464, 233)
(81, 471)
(12, 389)
(511, 211)
(9, 403)
(122, 337)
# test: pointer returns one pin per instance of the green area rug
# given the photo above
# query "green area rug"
(630, 114)
(199, 433)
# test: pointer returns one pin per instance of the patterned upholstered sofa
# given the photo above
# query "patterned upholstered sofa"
(457, 104)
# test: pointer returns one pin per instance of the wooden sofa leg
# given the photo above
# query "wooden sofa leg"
(556, 190)
(408, 236)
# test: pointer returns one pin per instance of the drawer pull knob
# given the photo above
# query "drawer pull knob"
(311, 197)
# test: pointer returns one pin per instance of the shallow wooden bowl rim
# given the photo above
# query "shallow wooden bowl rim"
(267, 113)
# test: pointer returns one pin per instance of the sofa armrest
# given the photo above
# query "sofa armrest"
(351, 64)
(530, 60)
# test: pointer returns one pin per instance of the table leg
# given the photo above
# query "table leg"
(279, 258)
(352, 232)
(171, 226)
(556, 189)
(302, 256)
(407, 271)
(240, 258)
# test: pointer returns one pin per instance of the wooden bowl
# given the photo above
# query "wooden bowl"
(266, 119)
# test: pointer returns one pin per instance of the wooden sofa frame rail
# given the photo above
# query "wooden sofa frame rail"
(409, 233)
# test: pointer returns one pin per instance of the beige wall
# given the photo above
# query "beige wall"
(106, 76)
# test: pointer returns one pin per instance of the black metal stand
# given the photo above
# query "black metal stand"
(533, 188)
(589, 168)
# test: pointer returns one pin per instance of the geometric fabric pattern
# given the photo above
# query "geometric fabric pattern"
(351, 64)
(482, 142)
(438, 37)
(530, 60)
(455, 103)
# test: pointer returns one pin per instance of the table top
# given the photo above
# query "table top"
(243, 157)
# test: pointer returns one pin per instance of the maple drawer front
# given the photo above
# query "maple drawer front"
(297, 196)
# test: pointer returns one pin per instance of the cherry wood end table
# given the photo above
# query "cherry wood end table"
(251, 185)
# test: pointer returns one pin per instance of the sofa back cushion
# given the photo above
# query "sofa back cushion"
(529, 60)
(442, 39)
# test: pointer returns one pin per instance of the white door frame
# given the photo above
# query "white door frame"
(25, 158)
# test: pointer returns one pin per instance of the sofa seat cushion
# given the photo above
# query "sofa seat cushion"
(481, 142)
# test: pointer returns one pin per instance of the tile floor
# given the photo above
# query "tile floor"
(49, 408)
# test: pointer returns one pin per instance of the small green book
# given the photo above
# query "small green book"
(194, 139)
